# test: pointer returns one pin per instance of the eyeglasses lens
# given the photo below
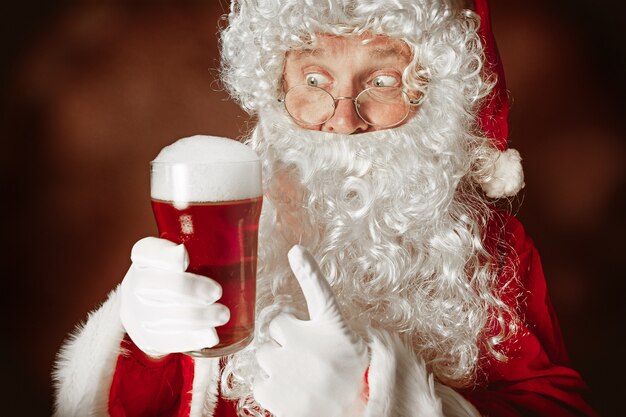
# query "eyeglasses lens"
(309, 105)
(383, 106)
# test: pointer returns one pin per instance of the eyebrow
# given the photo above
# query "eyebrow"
(386, 51)
(311, 52)
(379, 52)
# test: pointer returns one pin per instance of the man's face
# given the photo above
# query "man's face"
(344, 66)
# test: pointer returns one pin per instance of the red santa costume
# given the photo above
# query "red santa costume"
(446, 291)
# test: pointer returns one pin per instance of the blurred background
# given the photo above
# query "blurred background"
(91, 91)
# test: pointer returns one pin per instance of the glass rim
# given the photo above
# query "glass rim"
(206, 163)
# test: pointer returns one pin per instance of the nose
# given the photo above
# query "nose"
(345, 120)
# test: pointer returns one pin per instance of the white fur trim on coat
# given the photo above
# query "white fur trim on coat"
(86, 364)
(400, 386)
(204, 391)
(507, 177)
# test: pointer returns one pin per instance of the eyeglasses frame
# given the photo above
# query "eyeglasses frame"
(410, 101)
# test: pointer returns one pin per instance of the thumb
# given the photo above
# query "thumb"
(160, 253)
(316, 289)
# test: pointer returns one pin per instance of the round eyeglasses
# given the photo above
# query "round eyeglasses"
(381, 107)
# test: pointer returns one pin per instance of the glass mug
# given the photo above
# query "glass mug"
(212, 205)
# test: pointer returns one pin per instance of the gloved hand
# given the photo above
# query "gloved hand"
(313, 368)
(165, 309)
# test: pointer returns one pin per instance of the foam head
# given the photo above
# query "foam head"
(205, 169)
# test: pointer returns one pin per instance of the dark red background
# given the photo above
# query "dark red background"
(92, 90)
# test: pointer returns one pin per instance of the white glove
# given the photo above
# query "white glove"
(165, 309)
(317, 367)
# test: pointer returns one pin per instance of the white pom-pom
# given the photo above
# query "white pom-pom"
(507, 177)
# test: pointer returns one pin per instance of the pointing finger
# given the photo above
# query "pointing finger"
(316, 289)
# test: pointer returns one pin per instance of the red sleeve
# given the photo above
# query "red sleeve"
(144, 387)
(536, 380)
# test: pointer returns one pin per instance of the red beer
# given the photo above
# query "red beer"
(221, 239)
(206, 193)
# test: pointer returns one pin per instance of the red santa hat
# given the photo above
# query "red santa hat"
(506, 178)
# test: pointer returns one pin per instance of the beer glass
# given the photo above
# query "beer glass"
(212, 205)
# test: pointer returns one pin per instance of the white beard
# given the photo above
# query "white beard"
(394, 223)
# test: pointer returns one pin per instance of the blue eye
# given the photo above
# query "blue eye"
(385, 81)
(316, 79)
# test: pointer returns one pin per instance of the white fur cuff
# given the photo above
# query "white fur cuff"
(86, 363)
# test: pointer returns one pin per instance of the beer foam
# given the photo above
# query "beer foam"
(205, 169)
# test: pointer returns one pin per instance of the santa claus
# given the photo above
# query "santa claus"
(388, 284)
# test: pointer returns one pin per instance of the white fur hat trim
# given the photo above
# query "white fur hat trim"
(507, 178)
